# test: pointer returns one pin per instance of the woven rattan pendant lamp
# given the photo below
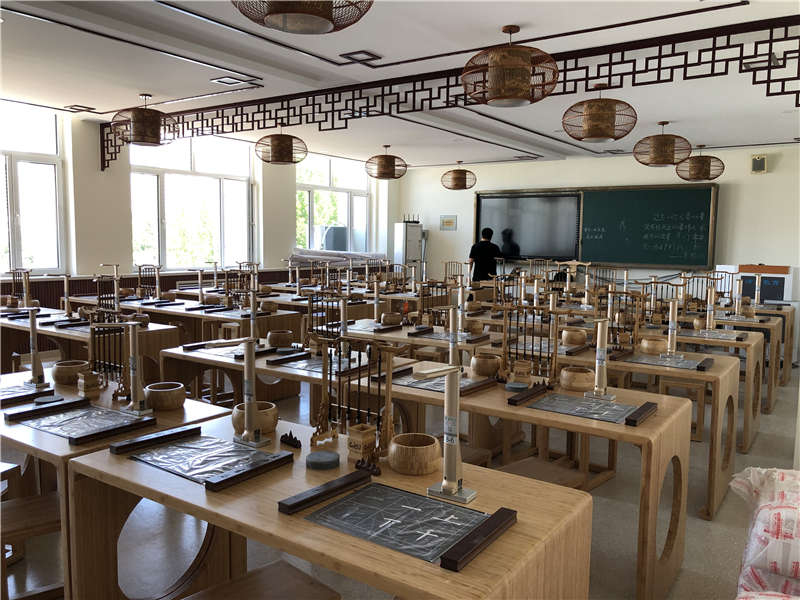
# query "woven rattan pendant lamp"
(662, 150)
(599, 119)
(459, 179)
(700, 168)
(281, 149)
(510, 75)
(144, 126)
(304, 16)
(386, 166)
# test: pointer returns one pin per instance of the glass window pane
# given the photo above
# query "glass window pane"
(191, 214)
(349, 174)
(330, 220)
(175, 155)
(25, 128)
(314, 169)
(235, 221)
(5, 249)
(221, 155)
(38, 215)
(301, 224)
(144, 213)
(359, 224)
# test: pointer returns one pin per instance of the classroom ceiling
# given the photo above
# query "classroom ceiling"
(103, 54)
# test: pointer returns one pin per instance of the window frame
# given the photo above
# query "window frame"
(12, 158)
(161, 174)
(310, 188)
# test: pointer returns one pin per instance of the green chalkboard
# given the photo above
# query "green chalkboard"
(669, 226)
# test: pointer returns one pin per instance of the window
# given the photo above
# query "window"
(31, 198)
(332, 204)
(191, 203)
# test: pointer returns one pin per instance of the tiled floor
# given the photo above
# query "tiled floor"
(160, 543)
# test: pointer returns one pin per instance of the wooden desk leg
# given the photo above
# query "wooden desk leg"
(724, 402)
(788, 346)
(752, 399)
(655, 575)
(772, 374)
(97, 514)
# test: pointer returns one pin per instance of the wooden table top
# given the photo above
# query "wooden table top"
(56, 448)
(721, 367)
(250, 509)
(400, 336)
(493, 402)
(233, 314)
(69, 333)
(286, 371)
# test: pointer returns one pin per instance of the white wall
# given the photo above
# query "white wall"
(277, 214)
(758, 215)
(98, 204)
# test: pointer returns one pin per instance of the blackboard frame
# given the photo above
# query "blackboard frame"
(712, 233)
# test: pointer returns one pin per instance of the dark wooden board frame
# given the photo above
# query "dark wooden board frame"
(320, 493)
(641, 414)
(99, 434)
(477, 540)
(14, 416)
(152, 439)
(25, 397)
(225, 480)
(532, 393)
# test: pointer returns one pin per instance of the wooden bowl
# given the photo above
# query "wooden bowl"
(748, 311)
(484, 364)
(265, 289)
(212, 299)
(699, 323)
(573, 336)
(391, 318)
(266, 417)
(577, 379)
(654, 345)
(65, 372)
(268, 306)
(280, 338)
(414, 454)
(165, 395)
(169, 296)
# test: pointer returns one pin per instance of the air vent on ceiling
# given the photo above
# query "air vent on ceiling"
(761, 63)
(616, 151)
(525, 157)
(228, 80)
(76, 108)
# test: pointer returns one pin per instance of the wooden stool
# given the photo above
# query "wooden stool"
(432, 353)
(275, 581)
(694, 391)
(473, 456)
(545, 470)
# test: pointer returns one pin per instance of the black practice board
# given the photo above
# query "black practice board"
(711, 334)
(80, 422)
(588, 408)
(662, 361)
(670, 226)
(434, 384)
(409, 523)
(203, 458)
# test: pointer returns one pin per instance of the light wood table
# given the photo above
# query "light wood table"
(723, 379)
(73, 342)
(663, 440)
(57, 451)
(786, 314)
(197, 325)
(544, 555)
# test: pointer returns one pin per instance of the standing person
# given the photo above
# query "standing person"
(482, 256)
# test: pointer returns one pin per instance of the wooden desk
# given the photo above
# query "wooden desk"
(57, 451)
(786, 314)
(73, 342)
(193, 323)
(663, 440)
(544, 555)
(178, 364)
(400, 336)
(723, 378)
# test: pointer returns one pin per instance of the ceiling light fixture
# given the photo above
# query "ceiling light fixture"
(700, 168)
(599, 119)
(304, 16)
(281, 149)
(144, 126)
(386, 166)
(662, 150)
(508, 76)
(459, 179)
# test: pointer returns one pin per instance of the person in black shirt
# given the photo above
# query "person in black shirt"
(482, 256)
